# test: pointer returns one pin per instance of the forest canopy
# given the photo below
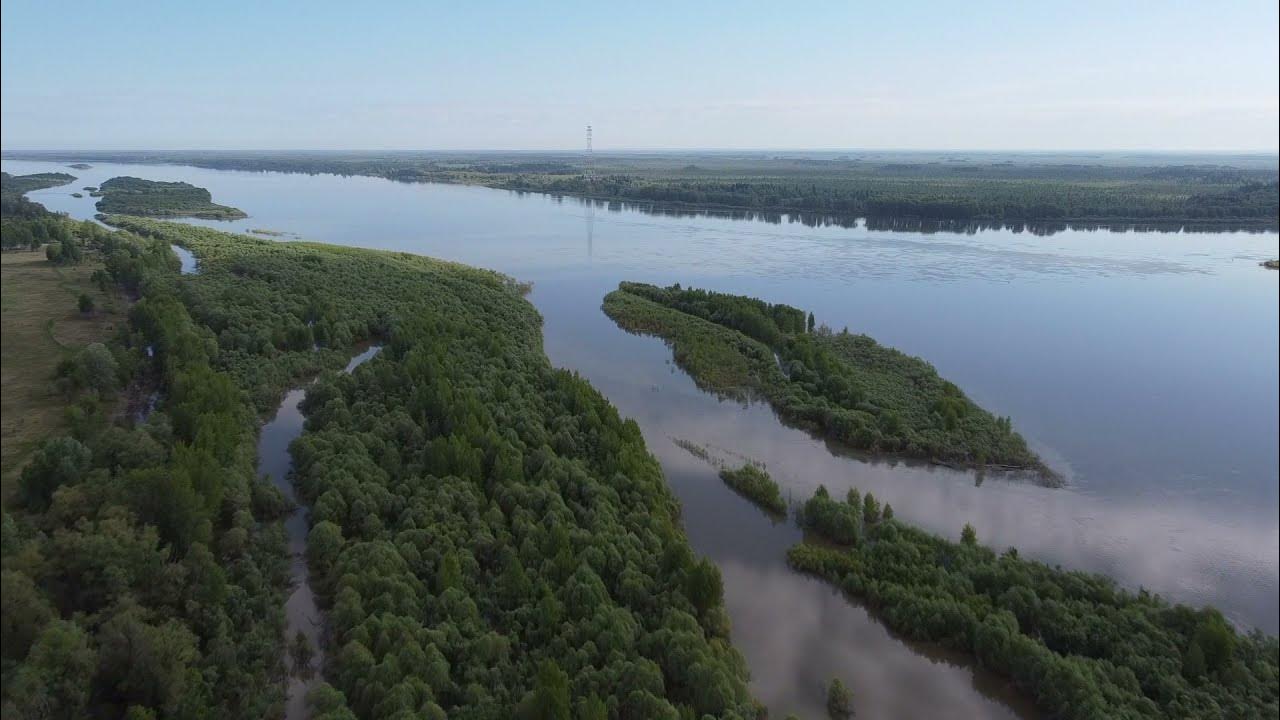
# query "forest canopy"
(490, 538)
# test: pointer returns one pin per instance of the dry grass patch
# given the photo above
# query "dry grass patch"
(41, 324)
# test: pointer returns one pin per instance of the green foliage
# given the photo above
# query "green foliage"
(754, 483)
(1076, 643)
(59, 461)
(832, 520)
(135, 196)
(844, 386)
(478, 515)
(85, 303)
(839, 701)
(108, 554)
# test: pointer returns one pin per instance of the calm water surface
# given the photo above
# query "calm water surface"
(1141, 365)
(301, 612)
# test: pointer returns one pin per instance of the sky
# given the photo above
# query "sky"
(974, 75)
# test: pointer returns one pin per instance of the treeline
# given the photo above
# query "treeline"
(143, 567)
(1080, 646)
(490, 538)
(844, 386)
(13, 206)
(944, 189)
(135, 196)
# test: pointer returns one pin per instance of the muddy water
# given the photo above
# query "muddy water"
(301, 613)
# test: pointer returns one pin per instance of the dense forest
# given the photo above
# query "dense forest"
(491, 538)
(901, 188)
(1079, 645)
(841, 385)
(135, 196)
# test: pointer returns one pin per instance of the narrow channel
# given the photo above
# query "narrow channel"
(301, 612)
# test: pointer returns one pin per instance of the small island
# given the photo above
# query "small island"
(80, 166)
(843, 386)
(1270, 264)
(753, 482)
(152, 198)
(77, 195)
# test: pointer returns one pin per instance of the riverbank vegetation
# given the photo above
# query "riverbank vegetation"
(135, 196)
(143, 570)
(908, 188)
(489, 535)
(1271, 264)
(844, 386)
(1079, 645)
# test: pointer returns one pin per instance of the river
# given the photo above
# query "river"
(1143, 366)
(302, 615)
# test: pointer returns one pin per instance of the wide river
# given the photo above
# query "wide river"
(1143, 366)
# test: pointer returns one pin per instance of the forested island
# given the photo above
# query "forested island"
(13, 204)
(905, 190)
(490, 537)
(841, 385)
(1080, 646)
(135, 196)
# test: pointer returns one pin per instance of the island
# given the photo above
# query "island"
(840, 385)
(1080, 646)
(1270, 264)
(754, 483)
(80, 166)
(136, 196)
(77, 195)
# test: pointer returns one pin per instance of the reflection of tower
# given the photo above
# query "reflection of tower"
(591, 183)
(591, 224)
(591, 162)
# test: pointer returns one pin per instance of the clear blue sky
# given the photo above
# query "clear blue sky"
(458, 75)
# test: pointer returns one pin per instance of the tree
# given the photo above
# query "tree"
(839, 701)
(888, 511)
(549, 699)
(54, 680)
(101, 372)
(85, 303)
(968, 535)
(870, 509)
(810, 322)
(302, 654)
(60, 461)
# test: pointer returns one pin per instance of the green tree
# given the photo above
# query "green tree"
(549, 699)
(54, 680)
(85, 303)
(60, 461)
(968, 535)
(839, 701)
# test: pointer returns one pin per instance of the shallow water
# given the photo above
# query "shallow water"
(301, 612)
(1142, 365)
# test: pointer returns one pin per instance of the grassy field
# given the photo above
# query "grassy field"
(41, 325)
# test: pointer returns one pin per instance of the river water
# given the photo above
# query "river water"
(302, 615)
(1143, 366)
